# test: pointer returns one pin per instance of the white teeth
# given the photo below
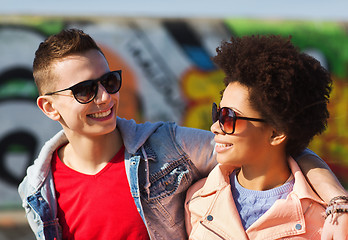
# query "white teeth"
(223, 145)
(101, 115)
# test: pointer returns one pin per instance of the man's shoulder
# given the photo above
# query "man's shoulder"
(38, 172)
(134, 134)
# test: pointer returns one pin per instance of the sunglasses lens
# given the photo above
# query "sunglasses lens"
(112, 82)
(214, 113)
(85, 91)
(227, 120)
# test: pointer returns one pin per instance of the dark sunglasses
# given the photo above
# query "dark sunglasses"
(84, 92)
(227, 118)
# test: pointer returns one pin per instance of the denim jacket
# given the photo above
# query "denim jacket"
(162, 160)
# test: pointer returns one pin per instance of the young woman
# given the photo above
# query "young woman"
(274, 103)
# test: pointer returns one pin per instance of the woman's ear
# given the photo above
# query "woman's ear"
(277, 138)
(47, 107)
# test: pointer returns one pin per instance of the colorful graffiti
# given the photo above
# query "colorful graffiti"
(168, 77)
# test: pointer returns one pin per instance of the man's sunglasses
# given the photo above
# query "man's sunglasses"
(84, 92)
(227, 118)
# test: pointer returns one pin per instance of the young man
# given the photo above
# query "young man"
(103, 177)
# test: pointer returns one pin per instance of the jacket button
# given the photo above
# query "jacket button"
(210, 218)
(298, 226)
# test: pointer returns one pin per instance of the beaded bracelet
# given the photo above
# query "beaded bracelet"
(336, 206)
(342, 198)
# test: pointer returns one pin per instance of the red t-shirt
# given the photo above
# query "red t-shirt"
(97, 206)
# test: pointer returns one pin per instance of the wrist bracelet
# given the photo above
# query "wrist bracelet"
(337, 208)
(343, 199)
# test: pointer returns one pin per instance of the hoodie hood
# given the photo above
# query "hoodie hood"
(38, 172)
(135, 135)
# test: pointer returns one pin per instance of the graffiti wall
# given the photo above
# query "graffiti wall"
(168, 76)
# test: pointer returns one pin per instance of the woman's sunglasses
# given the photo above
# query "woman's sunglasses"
(227, 118)
(84, 92)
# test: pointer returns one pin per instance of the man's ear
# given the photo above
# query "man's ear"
(46, 105)
(277, 138)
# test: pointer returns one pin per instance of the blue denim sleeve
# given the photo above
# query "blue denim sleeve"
(305, 152)
(199, 146)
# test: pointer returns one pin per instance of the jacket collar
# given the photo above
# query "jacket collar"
(301, 186)
(219, 178)
(217, 192)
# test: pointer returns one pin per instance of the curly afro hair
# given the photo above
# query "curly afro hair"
(288, 88)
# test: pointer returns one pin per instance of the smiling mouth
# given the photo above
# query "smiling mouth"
(223, 145)
(101, 114)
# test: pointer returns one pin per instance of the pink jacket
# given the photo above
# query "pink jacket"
(211, 212)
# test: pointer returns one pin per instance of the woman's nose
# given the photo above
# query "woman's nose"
(215, 128)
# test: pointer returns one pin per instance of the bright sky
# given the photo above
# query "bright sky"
(294, 9)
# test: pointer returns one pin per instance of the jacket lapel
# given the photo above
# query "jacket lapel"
(216, 195)
(287, 216)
